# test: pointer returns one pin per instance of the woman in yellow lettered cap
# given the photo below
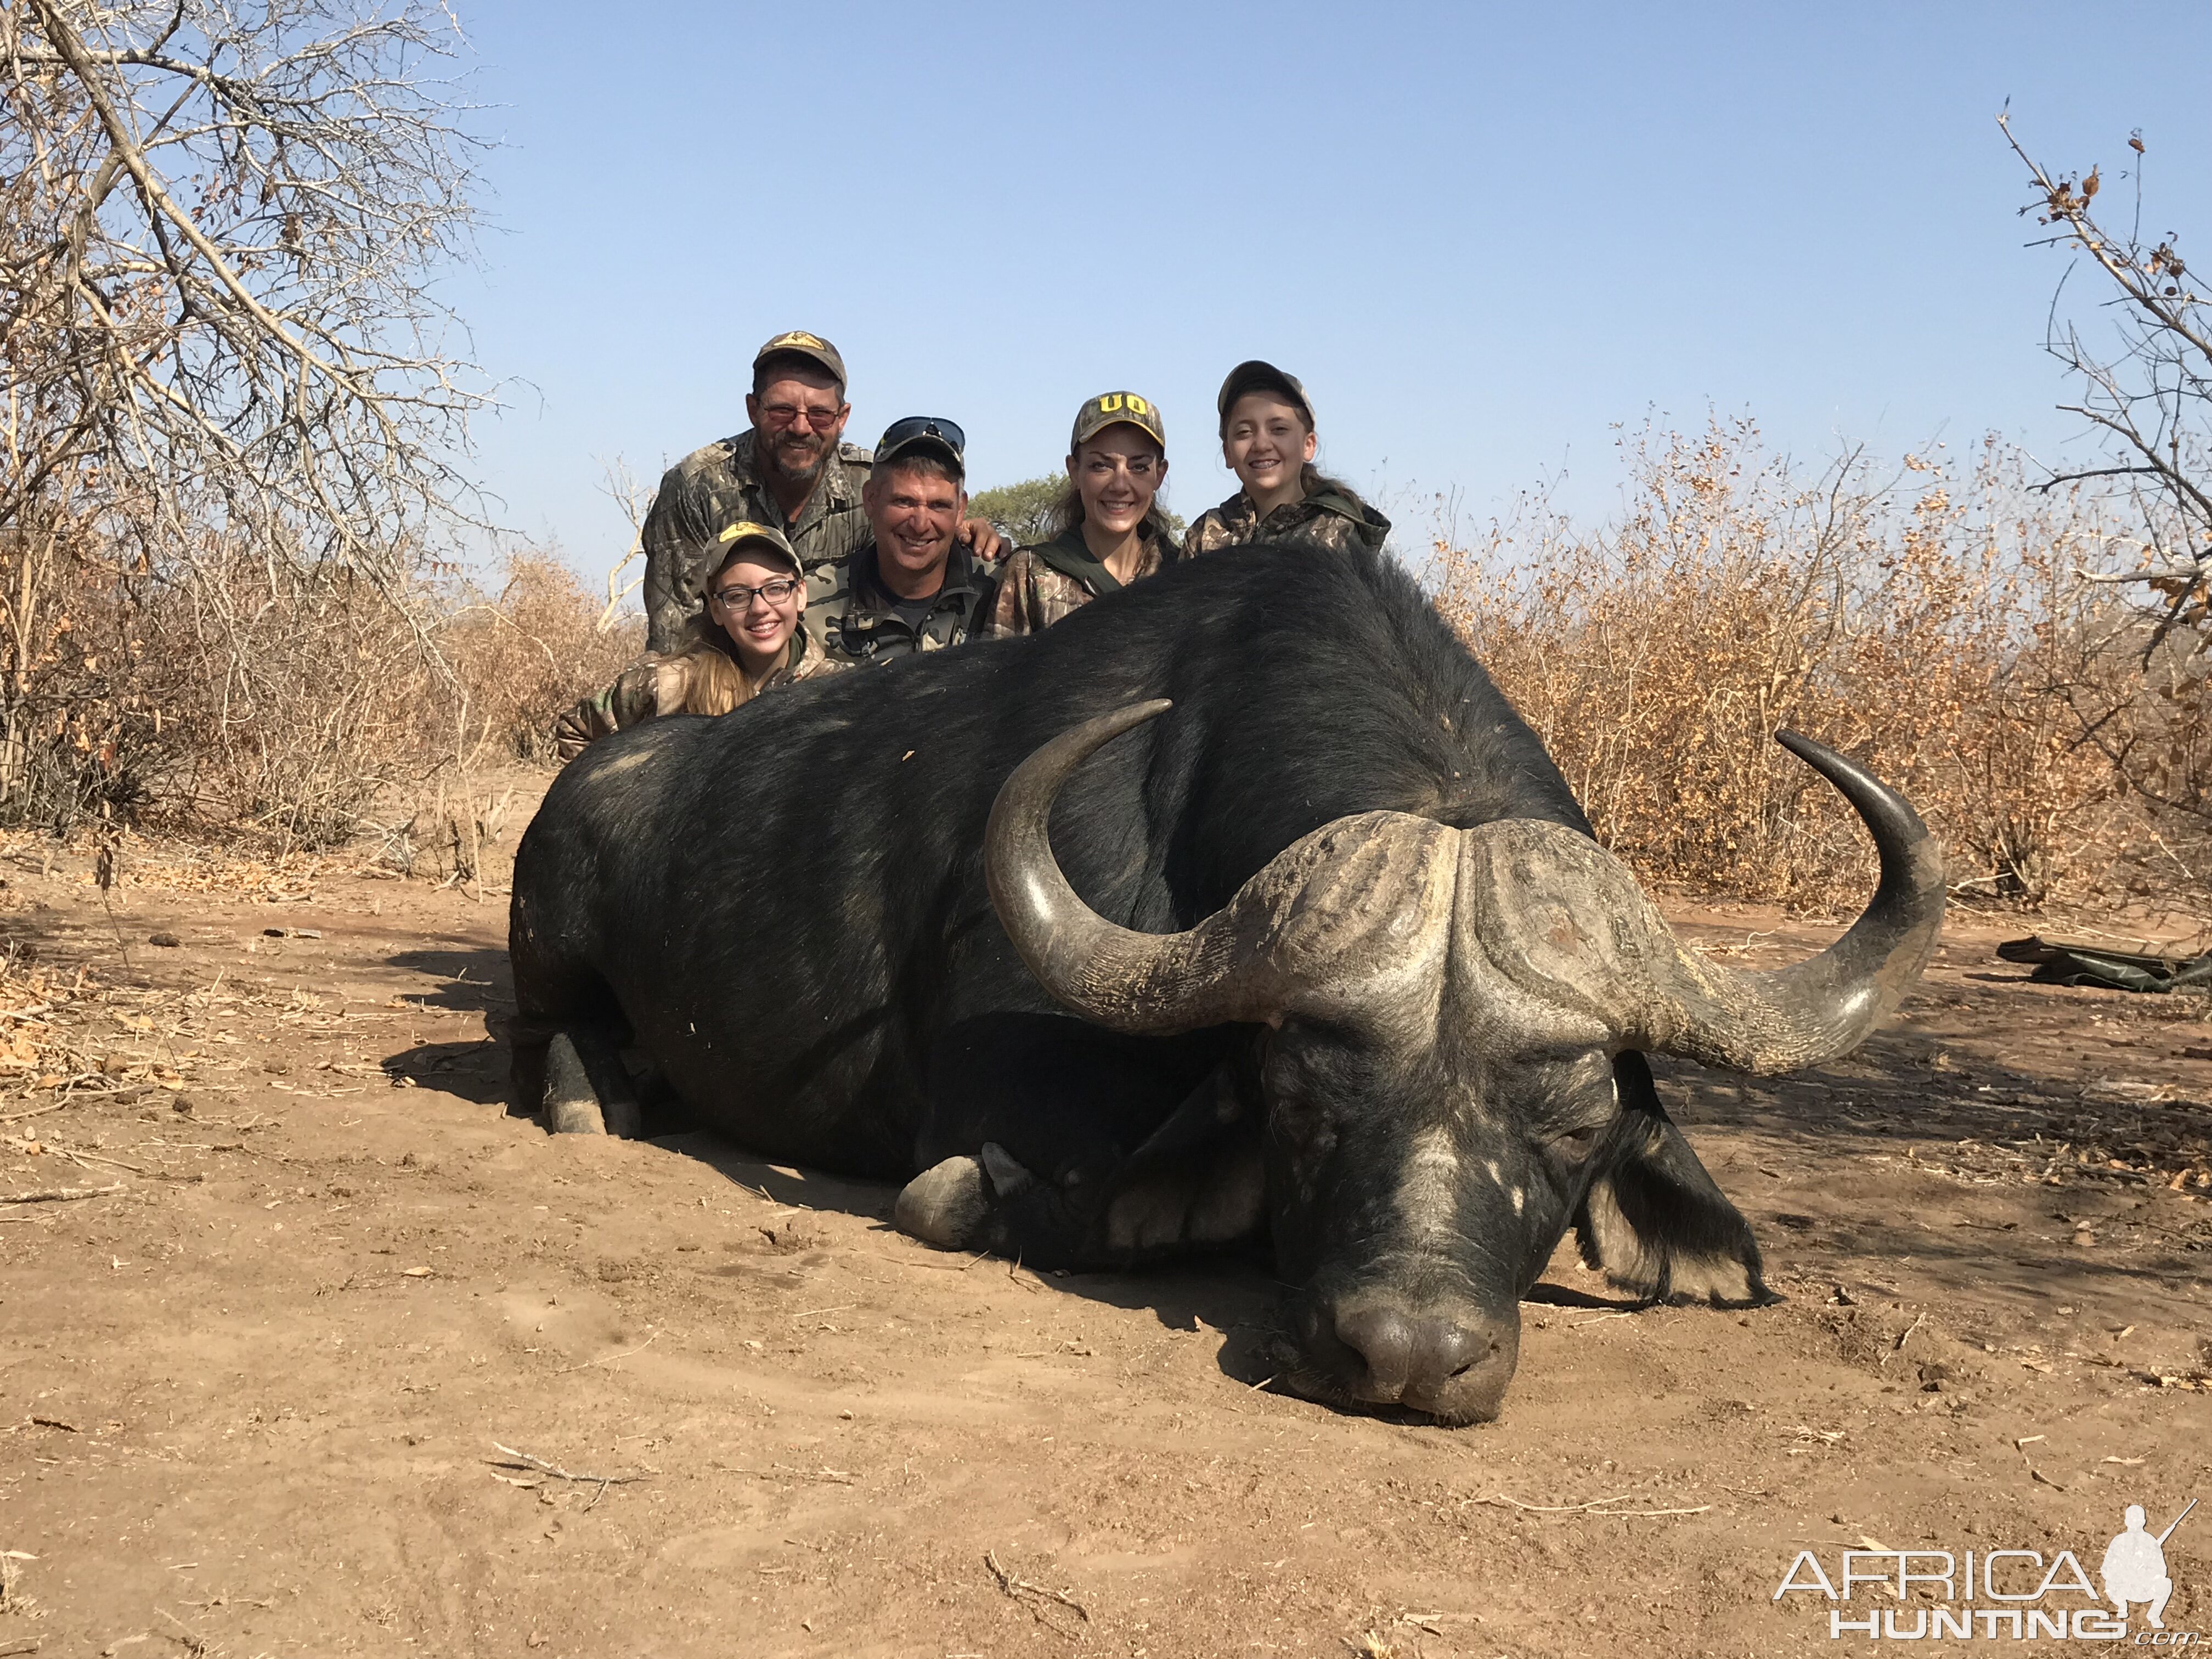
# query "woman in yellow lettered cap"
(1108, 528)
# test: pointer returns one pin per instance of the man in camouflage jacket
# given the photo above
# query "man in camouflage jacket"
(911, 586)
(790, 469)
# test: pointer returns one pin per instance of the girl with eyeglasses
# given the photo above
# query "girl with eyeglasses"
(1108, 528)
(1268, 440)
(747, 639)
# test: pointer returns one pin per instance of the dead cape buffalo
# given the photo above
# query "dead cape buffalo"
(1347, 973)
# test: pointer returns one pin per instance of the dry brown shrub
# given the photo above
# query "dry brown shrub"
(1931, 626)
(523, 654)
(299, 704)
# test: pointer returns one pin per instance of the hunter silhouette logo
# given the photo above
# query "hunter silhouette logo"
(2010, 1594)
(2133, 1568)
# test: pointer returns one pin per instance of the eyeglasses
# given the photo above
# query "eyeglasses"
(923, 426)
(738, 597)
(792, 415)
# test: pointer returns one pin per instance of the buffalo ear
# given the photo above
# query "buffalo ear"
(1653, 1219)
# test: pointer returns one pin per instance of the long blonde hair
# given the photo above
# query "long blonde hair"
(714, 681)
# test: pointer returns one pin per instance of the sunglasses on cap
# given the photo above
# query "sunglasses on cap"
(899, 434)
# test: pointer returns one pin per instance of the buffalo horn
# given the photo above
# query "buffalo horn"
(1362, 897)
(1822, 1008)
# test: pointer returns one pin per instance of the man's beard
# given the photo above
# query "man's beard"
(774, 455)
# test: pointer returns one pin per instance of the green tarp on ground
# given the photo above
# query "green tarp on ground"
(2116, 970)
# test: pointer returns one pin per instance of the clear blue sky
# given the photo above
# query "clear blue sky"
(1481, 234)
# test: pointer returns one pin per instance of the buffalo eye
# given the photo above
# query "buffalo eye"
(1580, 1143)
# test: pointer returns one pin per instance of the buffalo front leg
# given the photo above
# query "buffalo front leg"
(1195, 1183)
(587, 1091)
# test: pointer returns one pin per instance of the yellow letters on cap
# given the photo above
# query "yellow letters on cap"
(1109, 402)
(1137, 406)
(745, 527)
(800, 337)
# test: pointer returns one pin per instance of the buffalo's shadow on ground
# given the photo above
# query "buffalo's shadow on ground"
(1912, 1102)
(1234, 1294)
(476, 979)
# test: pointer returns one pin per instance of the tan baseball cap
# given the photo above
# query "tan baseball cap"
(1256, 376)
(748, 538)
(1118, 409)
(800, 343)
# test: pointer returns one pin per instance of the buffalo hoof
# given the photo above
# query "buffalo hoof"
(946, 1205)
(572, 1105)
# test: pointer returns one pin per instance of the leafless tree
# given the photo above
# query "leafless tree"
(220, 224)
(623, 487)
(2149, 391)
(2145, 378)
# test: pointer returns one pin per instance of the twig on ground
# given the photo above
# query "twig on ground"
(777, 1472)
(1595, 1506)
(2021, 1445)
(77, 1154)
(607, 1359)
(1017, 1588)
(524, 1459)
(58, 1194)
(36, 1111)
(195, 1643)
(10, 1572)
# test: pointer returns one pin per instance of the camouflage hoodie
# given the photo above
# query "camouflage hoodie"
(656, 684)
(1331, 518)
(1041, 584)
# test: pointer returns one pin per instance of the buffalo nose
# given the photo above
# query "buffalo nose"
(1408, 1354)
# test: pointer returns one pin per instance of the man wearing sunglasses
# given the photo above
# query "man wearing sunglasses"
(912, 586)
(790, 470)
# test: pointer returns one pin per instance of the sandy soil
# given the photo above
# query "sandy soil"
(345, 1360)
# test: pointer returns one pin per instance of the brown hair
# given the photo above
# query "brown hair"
(1066, 512)
(1312, 481)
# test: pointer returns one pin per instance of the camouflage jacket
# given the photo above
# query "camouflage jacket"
(711, 487)
(1041, 584)
(860, 622)
(1330, 519)
(655, 684)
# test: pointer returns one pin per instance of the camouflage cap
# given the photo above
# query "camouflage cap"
(1118, 409)
(797, 343)
(1256, 376)
(747, 538)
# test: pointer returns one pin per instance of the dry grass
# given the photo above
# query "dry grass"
(296, 708)
(1930, 624)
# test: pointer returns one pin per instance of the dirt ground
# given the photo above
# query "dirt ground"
(340, 1358)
